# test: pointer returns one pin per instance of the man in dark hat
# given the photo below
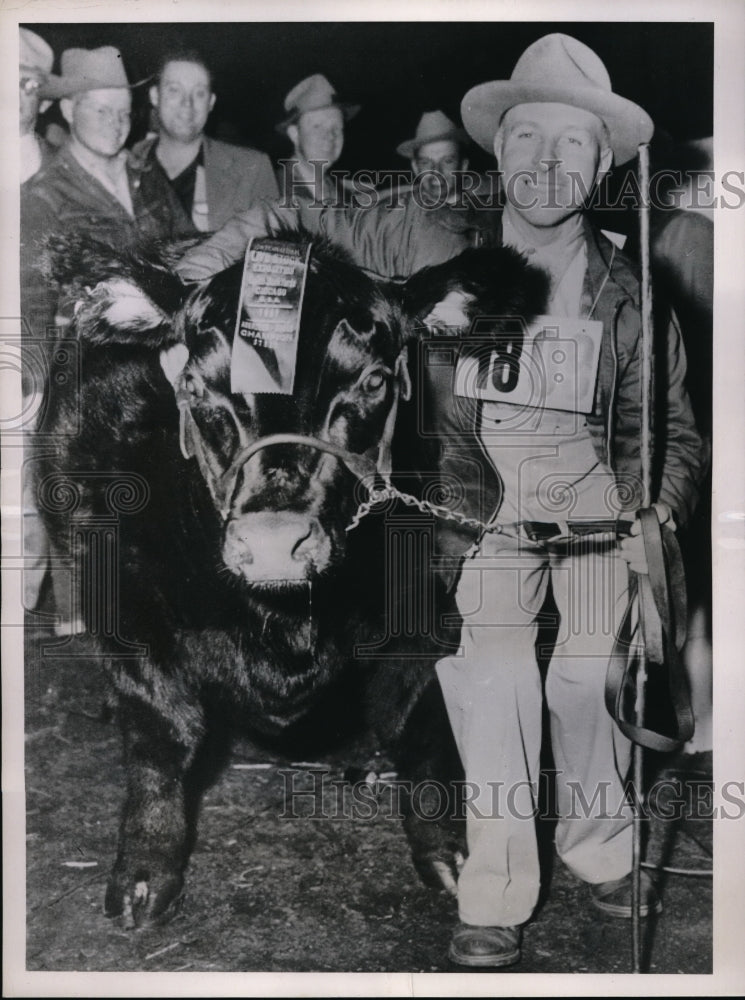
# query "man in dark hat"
(437, 154)
(212, 179)
(314, 123)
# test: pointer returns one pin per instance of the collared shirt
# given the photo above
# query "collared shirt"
(557, 259)
(566, 295)
(112, 175)
(546, 460)
(189, 186)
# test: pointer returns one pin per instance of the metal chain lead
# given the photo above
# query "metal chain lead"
(378, 496)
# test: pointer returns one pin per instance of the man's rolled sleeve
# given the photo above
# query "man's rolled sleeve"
(228, 245)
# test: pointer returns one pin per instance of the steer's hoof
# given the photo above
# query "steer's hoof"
(144, 901)
(440, 871)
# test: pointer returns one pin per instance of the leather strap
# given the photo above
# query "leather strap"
(659, 600)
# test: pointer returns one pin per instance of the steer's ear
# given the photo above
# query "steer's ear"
(115, 296)
(119, 311)
(490, 282)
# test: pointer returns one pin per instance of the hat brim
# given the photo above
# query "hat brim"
(409, 148)
(348, 110)
(37, 70)
(56, 87)
(628, 124)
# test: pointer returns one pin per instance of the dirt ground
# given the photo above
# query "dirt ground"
(267, 893)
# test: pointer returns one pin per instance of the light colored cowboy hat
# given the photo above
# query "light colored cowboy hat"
(312, 94)
(558, 69)
(87, 69)
(434, 126)
(35, 55)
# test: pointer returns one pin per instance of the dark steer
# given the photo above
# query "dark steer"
(234, 578)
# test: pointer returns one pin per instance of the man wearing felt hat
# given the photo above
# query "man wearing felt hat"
(93, 183)
(90, 186)
(555, 127)
(35, 64)
(314, 123)
(437, 156)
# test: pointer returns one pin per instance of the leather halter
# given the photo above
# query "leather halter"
(363, 466)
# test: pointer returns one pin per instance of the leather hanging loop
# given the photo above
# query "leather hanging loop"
(657, 601)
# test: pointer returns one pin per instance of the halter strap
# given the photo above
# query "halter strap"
(363, 466)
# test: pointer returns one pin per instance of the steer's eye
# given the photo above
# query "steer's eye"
(373, 382)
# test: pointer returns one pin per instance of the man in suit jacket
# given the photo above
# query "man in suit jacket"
(213, 180)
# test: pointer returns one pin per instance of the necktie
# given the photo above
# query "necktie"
(200, 209)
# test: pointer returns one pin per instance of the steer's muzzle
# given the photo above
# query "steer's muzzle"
(276, 547)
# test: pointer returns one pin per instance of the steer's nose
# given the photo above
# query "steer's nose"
(280, 546)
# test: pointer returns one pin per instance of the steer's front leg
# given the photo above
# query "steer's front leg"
(154, 836)
(433, 813)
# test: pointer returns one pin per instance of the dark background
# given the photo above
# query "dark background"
(398, 70)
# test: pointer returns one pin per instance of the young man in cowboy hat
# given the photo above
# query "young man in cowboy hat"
(93, 184)
(90, 186)
(314, 123)
(212, 179)
(410, 228)
(35, 65)
(555, 127)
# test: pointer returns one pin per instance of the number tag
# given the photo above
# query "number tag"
(550, 364)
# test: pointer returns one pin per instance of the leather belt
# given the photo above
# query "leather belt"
(552, 532)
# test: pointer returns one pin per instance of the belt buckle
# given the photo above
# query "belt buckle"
(541, 531)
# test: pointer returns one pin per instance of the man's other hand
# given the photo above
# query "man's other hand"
(632, 548)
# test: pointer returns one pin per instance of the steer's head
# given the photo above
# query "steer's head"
(283, 471)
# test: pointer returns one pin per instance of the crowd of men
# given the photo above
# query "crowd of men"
(554, 121)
